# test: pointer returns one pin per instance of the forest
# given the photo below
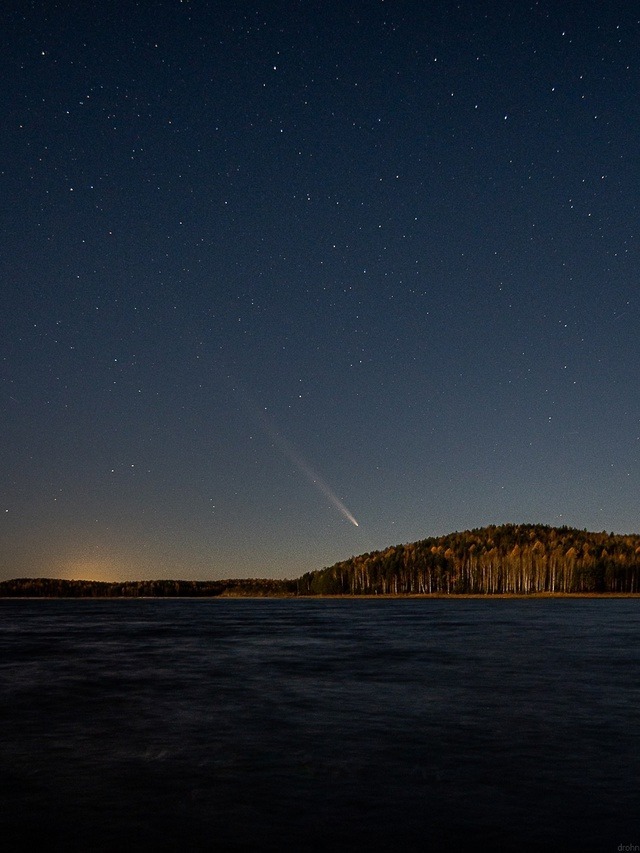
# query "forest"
(510, 559)
(516, 559)
(63, 588)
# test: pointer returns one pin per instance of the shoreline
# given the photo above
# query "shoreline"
(480, 596)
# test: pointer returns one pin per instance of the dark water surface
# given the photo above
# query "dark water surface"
(320, 725)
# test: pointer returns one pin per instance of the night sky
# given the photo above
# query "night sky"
(268, 269)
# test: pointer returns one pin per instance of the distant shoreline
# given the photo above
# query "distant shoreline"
(345, 597)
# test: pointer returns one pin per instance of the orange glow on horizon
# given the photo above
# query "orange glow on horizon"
(89, 570)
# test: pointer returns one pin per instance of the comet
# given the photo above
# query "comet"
(315, 479)
(292, 454)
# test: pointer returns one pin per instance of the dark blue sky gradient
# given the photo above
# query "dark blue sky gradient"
(391, 243)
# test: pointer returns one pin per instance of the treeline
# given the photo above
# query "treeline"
(59, 588)
(509, 559)
(512, 559)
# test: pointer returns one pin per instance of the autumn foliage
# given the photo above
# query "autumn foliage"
(512, 559)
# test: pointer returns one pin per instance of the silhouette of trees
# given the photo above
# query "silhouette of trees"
(58, 588)
(509, 559)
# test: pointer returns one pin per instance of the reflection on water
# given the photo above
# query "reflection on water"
(320, 725)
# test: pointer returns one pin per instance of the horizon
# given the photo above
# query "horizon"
(248, 578)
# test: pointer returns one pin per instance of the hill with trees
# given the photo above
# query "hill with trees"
(511, 559)
(515, 559)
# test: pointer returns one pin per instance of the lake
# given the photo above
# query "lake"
(297, 725)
